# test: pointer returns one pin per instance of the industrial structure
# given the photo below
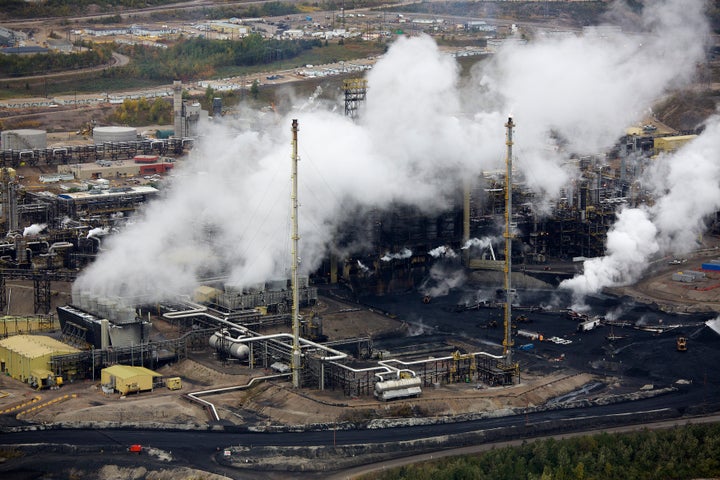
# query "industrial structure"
(28, 358)
(232, 320)
(126, 379)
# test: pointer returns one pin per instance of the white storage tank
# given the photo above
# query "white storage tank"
(23, 139)
(225, 342)
(114, 134)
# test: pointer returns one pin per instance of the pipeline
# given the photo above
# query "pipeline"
(195, 396)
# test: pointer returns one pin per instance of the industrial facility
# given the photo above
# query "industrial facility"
(231, 320)
(240, 322)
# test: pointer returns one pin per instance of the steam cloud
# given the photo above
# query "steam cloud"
(421, 132)
(442, 251)
(401, 255)
(34, 229)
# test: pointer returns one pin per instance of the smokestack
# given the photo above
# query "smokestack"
(507, 341)
(296, 354)
(177, 107)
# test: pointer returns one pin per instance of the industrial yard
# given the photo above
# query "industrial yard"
(422, 258)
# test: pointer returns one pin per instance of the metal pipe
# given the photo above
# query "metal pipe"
(195, 396)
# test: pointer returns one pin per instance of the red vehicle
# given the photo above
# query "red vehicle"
(135, 448)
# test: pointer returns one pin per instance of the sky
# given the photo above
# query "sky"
(422, 131)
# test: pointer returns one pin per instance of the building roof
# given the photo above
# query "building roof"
(35, 346)
(23, 50)
(126, 371)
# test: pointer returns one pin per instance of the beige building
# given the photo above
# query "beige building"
(109, 169)
(26, 356)
(126, 379)
(671, 144)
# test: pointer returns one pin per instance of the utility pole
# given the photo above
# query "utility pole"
(296, 354)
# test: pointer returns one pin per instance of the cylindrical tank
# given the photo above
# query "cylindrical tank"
(229, 345)
(23, 139)
(398, 384)
(114, 134)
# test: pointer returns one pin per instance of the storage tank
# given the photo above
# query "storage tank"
(400, 388)
(23, 139)
(226, 343)
(114, 134)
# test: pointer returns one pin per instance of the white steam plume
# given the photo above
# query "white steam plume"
(97, 231)
(442, 251)
(629, 243)
(420, 133)
(479, 243)
(363, 267)
(34, 229)
(401, 255)
(441, 281)
(588, 89)
(688, 186)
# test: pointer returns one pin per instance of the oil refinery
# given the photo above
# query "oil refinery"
(422, 254)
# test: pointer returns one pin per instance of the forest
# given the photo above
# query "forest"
(44, 63)
(200, 57)
(679, 453)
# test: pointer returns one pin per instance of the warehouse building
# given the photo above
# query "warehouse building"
(27, 357)
(125, 379)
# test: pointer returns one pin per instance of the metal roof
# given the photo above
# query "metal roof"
(34, 346)
(126, 371)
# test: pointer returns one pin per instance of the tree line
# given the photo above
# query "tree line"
(200, 57)
(685, 452)
(43, 63)
(67, 8)
(143, 111)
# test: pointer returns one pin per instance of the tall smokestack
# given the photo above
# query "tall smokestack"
(296, 354)
(177, 107)
(507, 341)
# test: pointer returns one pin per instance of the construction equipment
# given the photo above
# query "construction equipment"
(173, 383)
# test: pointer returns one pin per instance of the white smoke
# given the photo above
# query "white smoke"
(479, 243)
(420, 134)
(688, 186)
(442, 251)
(401, 255)
(588, 89)
(630, 242)
(363, 267)
(441, 281)
(101, 231)
(34, 229)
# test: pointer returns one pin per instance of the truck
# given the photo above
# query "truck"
(588, 325)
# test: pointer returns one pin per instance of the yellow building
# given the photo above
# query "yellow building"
(15, 325)
(26, 356)
(670, 144)
(126, 379)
